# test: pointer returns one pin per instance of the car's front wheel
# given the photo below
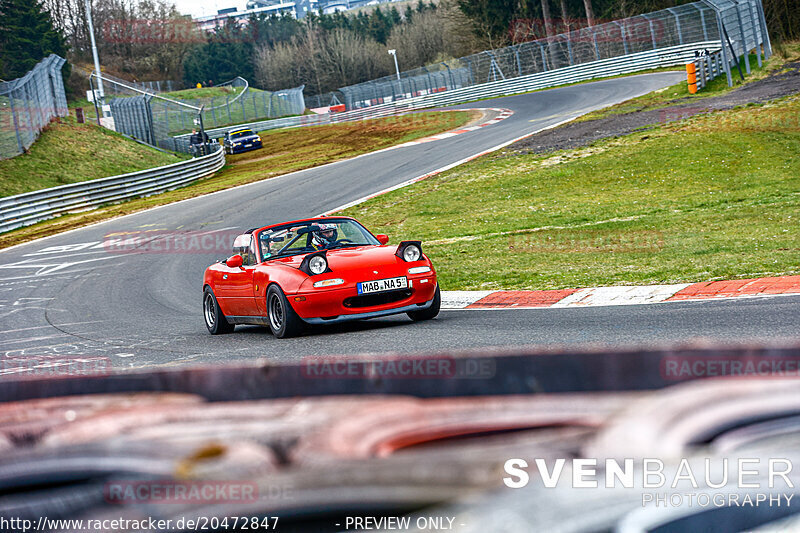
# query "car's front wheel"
(429, 313)
(215, 319)
(283, 321)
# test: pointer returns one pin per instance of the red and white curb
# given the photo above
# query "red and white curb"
(503, 114)
(621, 295)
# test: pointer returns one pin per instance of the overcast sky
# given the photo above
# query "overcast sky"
(200, 8)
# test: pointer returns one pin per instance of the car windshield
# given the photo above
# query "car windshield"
(241, 133)
(312, 236)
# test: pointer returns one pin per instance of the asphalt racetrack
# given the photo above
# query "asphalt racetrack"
(66, 295)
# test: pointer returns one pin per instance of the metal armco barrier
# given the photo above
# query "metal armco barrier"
(704, 69)
(29, 208)
(663, 57)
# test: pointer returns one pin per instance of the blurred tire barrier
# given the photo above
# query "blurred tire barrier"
(321, 447)
(29, 208)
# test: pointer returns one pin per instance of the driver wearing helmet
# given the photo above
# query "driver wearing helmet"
(325, 237)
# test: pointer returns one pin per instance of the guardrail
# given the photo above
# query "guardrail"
(30, 208)
(703, 69)
(651, 59)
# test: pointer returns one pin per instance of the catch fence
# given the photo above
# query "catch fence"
(29, 103)
(741, 22)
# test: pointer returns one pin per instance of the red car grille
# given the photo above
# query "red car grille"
(380, 298)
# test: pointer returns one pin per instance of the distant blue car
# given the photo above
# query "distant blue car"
(243, 140)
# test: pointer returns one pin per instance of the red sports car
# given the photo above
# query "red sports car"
(317, 271)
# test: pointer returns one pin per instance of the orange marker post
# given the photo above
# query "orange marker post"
(691, 77)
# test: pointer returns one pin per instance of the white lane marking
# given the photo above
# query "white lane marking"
(624, 295)
(64, 248)
(124, 355)
(49, 326)
(44, 267)
(34, 339)
(461, 299)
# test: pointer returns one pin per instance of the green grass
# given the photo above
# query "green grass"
(284, 151)
(712, 197)
(68, 152)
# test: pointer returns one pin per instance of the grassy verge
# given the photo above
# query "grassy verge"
(679, 93)
(284, 151)
(712, 197)
(68, 152)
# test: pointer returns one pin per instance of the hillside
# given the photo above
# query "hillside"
(68, 152)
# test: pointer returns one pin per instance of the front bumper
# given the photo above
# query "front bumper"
(369, 314)
(325, 306)
(240, 149)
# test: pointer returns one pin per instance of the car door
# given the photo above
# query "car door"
(235, 286)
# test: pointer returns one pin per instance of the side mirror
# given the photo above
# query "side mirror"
(234, 261)
(383, 239)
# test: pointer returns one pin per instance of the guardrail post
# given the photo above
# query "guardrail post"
(677, 24)
(622, 34)
(16, 121)
(594, 40)
(702, 21)
(31, 125)
(763, 22)
(569, 49)
(544, 56)
(652, 31)
(726, 61)
(745, 51)
(757, 37)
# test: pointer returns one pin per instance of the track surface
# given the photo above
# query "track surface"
(144, 309)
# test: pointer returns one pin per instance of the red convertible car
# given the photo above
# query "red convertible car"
(317, 271)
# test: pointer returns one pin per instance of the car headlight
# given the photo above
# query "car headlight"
(419, 270)
(318, 264)
(412, 253)
(329, 282)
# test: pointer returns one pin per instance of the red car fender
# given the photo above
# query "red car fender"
(286, 277)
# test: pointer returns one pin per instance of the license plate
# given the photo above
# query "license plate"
(380, 285)
(248, 145)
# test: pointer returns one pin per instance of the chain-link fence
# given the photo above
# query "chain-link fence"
(29, 103)
(229, 110)
(741, 28)
(157, 120)
(114, 86)
(696, 22)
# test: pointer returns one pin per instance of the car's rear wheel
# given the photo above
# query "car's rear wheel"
(429, 313)
(215, 319)
(283, 321)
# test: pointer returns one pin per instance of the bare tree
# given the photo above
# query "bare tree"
(587, 5)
